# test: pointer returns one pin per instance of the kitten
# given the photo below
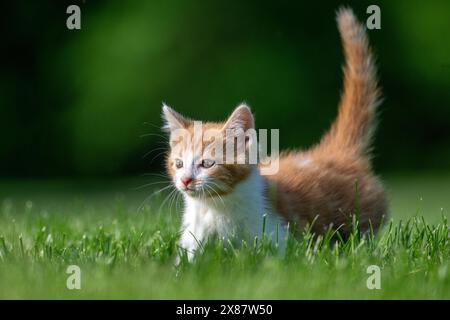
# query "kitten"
(324, 186)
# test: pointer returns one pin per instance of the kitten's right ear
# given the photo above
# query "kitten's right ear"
(173, 120)
(241, 118)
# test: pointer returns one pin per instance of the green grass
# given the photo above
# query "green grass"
(46, 226)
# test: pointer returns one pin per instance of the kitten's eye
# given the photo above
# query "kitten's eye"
(208, 163)
(178, 163)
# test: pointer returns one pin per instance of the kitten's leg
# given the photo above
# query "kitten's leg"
(190, 242)
(194, 231)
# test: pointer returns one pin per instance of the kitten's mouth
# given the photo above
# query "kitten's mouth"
(194, 192)
(199, 191)
(189, 191)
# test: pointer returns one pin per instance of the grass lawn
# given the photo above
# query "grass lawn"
(123, 252)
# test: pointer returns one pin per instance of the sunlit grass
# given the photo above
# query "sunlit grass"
(126, 253)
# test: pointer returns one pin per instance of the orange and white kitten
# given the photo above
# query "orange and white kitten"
(326, 185)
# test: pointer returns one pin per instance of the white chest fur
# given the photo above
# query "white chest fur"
(238, 214)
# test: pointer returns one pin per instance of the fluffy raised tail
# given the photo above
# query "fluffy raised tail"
(353, 129)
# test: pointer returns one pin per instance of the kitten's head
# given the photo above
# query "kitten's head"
(198, 161)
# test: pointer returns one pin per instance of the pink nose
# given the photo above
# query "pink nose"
(186, 180)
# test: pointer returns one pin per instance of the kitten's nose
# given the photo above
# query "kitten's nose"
(186, 180)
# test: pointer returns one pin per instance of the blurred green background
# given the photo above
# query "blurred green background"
(76, 103)
(80, 115)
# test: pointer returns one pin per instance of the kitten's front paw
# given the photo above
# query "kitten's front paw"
(188, 246)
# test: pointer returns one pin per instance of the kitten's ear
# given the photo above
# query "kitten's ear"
(173, 120)
(241, 118)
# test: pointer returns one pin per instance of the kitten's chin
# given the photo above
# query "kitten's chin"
(198, 194)
(190, 192)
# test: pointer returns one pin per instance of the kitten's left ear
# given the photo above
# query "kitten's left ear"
(241, 118)
(173, 120)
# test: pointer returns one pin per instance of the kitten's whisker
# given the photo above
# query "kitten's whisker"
(153, 150)
(167, 197)
(218, 195)
(170, 202)
(217, 185)
(178, 208)
(154, 134)
(203, 193)
(157, 175)
(151, 195)
(148, 185)
(211, 197)
(151, 124)
(173, 200)
(223, 202)
(157, 155)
